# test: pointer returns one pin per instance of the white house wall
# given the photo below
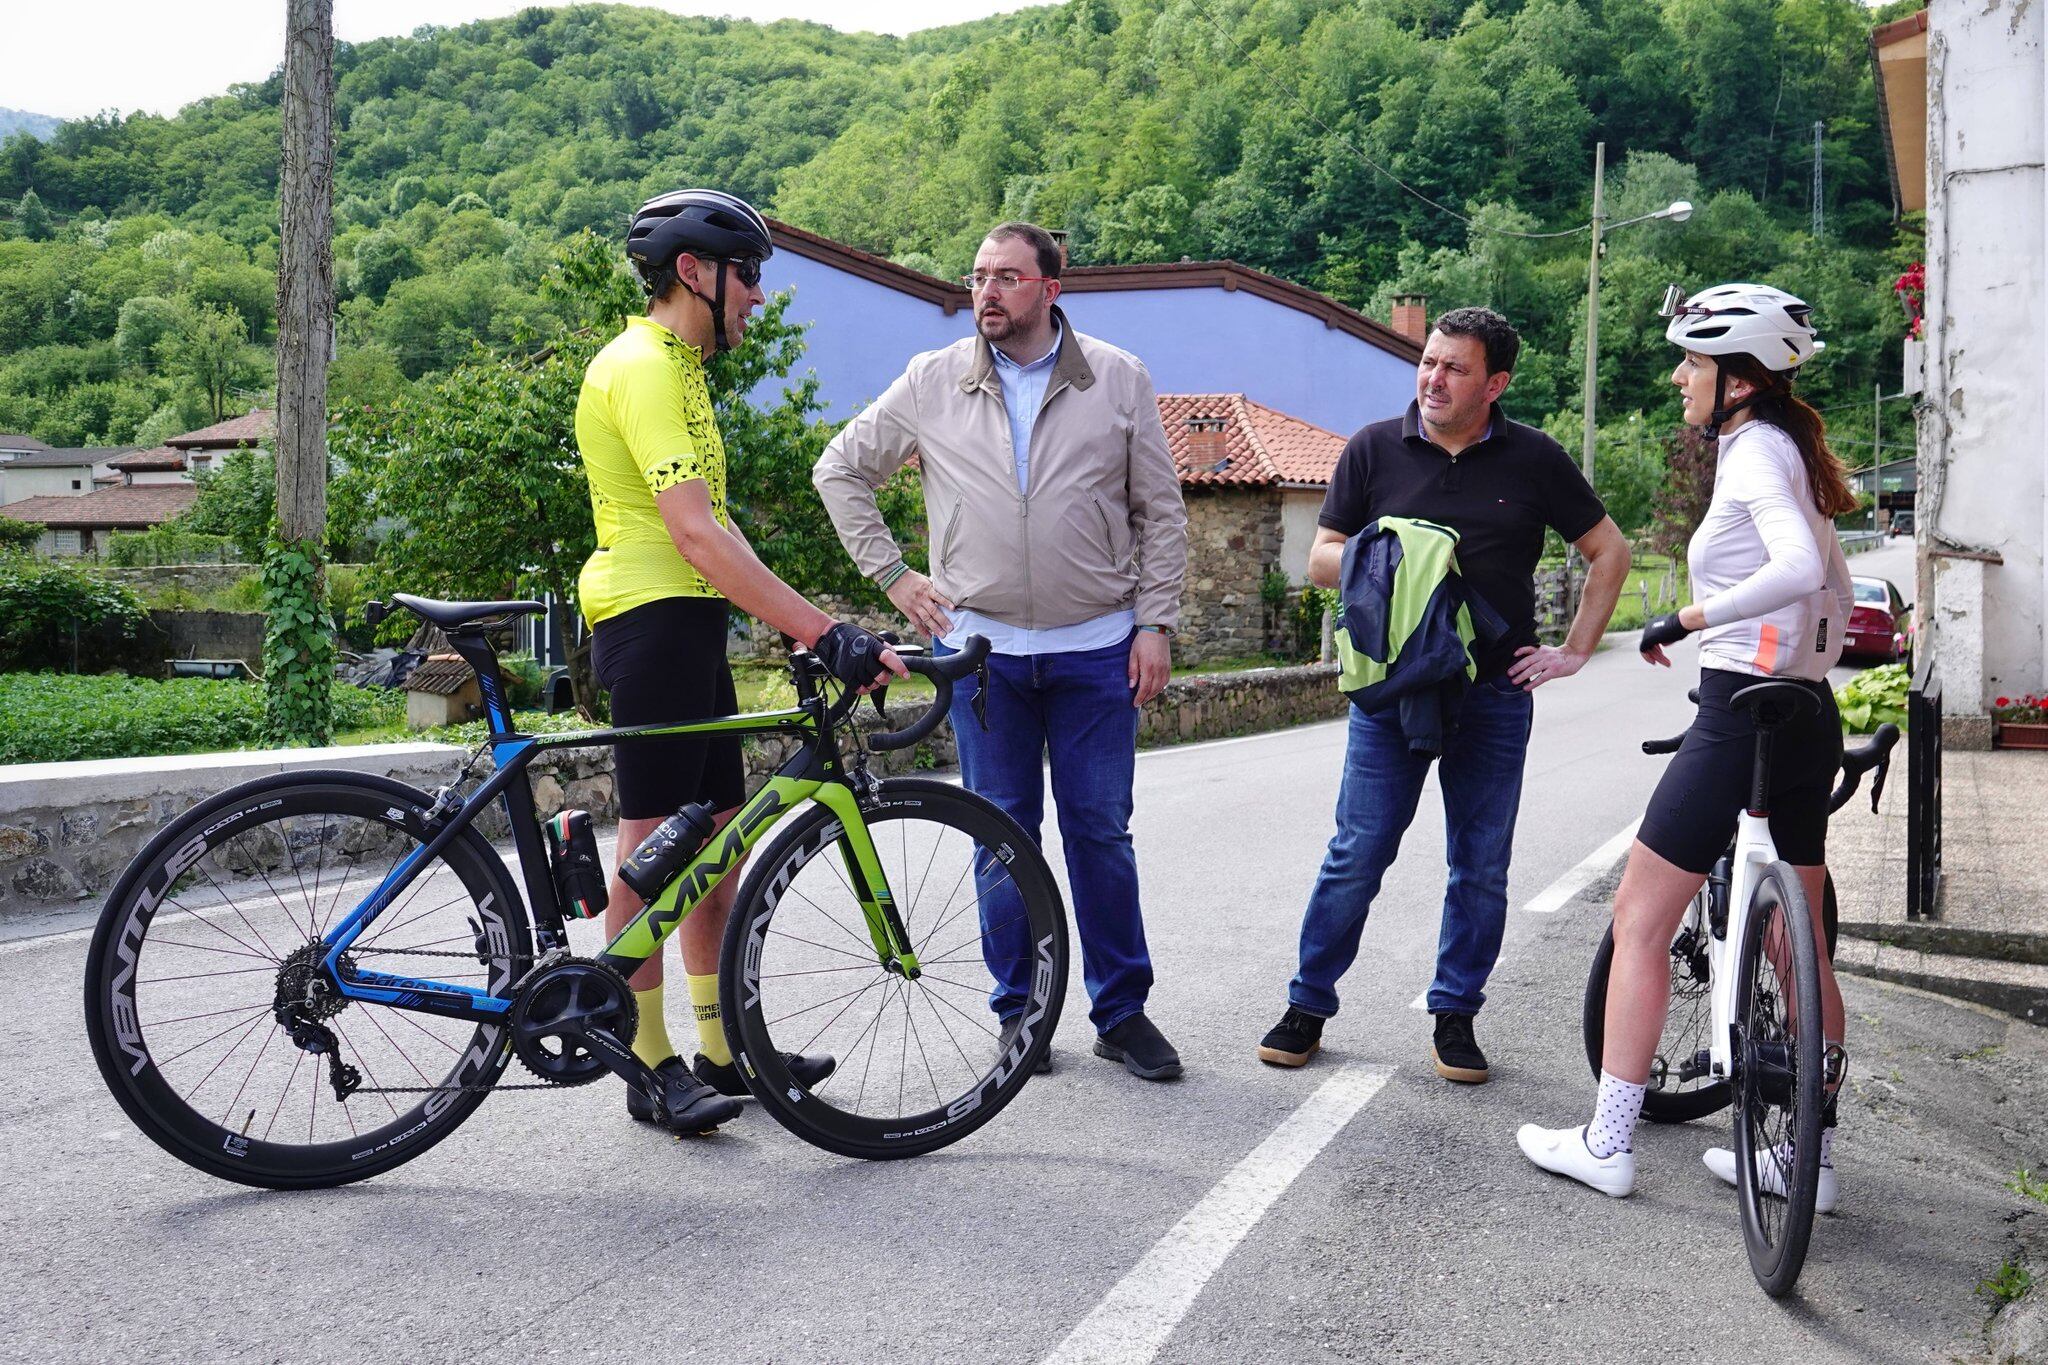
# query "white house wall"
(1985, 409)
(17, 484)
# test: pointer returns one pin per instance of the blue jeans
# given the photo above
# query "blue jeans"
(1076, 709)
(1481, 775)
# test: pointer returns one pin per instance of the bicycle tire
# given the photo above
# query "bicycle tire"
(223, 856)
(1778, 1060)
(995, 1064)
(1687, 1026)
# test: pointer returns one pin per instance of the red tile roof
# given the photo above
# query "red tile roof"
(142, 505)
(1225, 439)
(155, 458)
(251, 428)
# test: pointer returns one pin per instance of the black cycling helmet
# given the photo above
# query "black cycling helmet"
(709, 224)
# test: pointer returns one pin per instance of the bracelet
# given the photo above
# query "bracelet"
(1168, 631)
(891, 574)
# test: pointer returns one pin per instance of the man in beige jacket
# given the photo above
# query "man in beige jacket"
(1056, 530)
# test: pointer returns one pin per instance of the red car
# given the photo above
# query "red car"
(1881, 626)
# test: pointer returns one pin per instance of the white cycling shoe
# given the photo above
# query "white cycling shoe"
(1721, 1161)
(1564, 1152)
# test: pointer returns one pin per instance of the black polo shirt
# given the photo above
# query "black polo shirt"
(1498, 494)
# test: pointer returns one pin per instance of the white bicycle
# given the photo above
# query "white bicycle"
(1744, 1021)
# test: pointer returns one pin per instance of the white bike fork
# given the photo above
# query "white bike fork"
(1754, 851)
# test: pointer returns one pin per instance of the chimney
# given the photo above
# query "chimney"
(1208, 443)
(1059, 235)
(1411, 316)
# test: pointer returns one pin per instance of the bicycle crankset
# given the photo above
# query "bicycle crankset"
(572, 1018)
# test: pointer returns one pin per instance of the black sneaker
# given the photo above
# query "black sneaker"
(1044, 1066)
(727, 1080)
(1142, 1049)
(1457, 1053)
(1291, 1042)
(688, 1106)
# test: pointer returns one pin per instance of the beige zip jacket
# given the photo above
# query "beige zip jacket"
(1100, 528)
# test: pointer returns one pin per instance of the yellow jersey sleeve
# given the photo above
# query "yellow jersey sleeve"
(658, 417)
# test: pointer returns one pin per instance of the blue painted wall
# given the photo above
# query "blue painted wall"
(1207, 340)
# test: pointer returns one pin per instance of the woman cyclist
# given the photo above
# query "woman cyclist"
(1772, 597)
(655, 592)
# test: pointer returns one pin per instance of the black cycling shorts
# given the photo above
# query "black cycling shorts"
(1692, 816)
(665, 661)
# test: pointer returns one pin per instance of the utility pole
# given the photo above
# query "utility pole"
(1817, 196)
(1593, 303)
(298, 648)
(1876, 451)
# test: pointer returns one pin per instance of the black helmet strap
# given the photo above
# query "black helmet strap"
(716, 302)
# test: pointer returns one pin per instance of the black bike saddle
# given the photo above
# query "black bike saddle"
(1773, 703)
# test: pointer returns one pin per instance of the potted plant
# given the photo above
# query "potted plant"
(2021, 723)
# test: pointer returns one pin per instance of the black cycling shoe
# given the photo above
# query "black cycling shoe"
(1292, 1041)
(727, 1080)
(1009, 1035)
(1141, 1047)
(1457, 1053)
(688, 1106)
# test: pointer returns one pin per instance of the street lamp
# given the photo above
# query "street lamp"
(1677, 211)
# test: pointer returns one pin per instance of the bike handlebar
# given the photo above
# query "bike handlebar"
(1875, 753)
(943, 673)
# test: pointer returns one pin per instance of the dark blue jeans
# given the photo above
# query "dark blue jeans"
(1481, 775)
(1076, 709)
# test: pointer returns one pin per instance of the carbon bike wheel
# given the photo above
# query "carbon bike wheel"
(215, 925)
(1777, 1047)
(1681, 1086)
(921, 1062)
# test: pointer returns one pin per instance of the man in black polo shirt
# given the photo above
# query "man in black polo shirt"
(1455, 460)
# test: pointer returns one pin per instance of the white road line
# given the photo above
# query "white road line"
(1137, 1316)
(1559, 893)
(1197, 746)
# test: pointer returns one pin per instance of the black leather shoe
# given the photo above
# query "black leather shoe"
(687, 1105)
(1142, 1049)
(1457, 1053)
(727, 1080)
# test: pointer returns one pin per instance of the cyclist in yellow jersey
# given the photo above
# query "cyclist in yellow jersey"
(668, 561)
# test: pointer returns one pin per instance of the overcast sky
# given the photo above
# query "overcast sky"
(159, 55)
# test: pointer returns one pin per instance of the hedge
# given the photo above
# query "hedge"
(56, 717)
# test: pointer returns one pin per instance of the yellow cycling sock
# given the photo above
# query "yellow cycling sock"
(710, 1024)
(650, 1039)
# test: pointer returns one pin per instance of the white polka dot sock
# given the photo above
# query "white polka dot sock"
(1613, 1128)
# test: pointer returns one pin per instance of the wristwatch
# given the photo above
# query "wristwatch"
(1168, 631)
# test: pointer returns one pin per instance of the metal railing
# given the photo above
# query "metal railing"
(1923, 794)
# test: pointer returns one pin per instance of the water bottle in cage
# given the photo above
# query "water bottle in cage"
(579, 873)
(661, 855)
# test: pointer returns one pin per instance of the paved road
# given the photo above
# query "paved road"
(549, 1226)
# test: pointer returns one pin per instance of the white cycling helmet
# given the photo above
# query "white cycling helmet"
(1751, 319)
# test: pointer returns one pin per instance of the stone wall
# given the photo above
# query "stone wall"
(68, 829)
(197, 579)
(214, 635)
(1233, 539)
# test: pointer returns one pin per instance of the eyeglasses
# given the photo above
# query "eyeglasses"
(748, 268)
(1004, 280)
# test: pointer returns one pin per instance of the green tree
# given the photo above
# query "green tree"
(32, 217)
(211, 348)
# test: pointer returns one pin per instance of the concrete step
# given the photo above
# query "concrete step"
(2016, 988)
(1934, 936)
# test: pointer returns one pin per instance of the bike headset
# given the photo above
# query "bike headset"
(708, 224)
(1756, 320)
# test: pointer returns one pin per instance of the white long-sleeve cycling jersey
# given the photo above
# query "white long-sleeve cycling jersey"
(1767, 567)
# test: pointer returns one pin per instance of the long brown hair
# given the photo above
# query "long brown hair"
(1771, 400)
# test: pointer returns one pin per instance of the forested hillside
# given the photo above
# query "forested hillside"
(134, 274)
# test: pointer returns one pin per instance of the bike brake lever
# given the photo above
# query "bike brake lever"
(1884, 765)
(981, 695)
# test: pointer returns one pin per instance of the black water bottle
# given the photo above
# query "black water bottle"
(662, 854)
(579, 873)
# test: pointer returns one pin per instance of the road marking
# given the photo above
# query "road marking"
(1137, 1316)
(1559, 893)
(1201, 744)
